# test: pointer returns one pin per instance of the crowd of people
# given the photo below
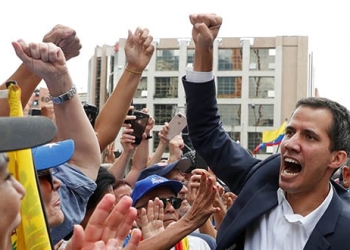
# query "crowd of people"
(236, 201)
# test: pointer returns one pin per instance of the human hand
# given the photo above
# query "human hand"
(129, 116)
(228, 199)
(150, 124)
(205, 29)
(163, 133)
(150, 220)
(107, 222)
(138, 49)
(202, 207)
(44, 59)
(175, 148)
(127, 140)
(110, 157)
(65, 38)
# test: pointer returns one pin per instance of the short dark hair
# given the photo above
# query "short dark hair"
(104, 180)
(340, 127)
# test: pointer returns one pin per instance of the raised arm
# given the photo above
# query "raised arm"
(139, 50)
(47, 61)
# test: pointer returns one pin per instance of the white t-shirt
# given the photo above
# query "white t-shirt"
(196, 243)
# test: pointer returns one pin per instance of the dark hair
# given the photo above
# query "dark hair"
(339, 131)
(104, 180)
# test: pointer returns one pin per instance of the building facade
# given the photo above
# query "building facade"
(258, 81)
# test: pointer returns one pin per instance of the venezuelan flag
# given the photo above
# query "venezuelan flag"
(271, 138)
(32, 233)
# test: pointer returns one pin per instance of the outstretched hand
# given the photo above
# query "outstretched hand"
(108, 227)
(139, 49)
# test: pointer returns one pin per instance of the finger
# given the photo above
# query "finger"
(58, 33)
(77, 239)
(120, 220)
(134, 240)
(94, 229)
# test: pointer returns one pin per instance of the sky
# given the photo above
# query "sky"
(103, 22)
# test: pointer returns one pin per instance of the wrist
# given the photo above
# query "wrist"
(64, 97)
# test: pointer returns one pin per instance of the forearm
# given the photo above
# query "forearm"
(119, 166)
(139, 162)
(27, 81)
(169, 237)
(208, 228)
(157, 155)
(112, 115)
(72, 123)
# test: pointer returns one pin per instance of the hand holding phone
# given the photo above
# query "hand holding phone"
(176, 125)
(139, 125)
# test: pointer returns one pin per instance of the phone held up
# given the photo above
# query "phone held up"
(139, 125)
(176, 125)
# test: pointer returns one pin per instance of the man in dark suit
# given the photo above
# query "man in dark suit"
(288, 200)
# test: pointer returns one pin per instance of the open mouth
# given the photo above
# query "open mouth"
(291, 167)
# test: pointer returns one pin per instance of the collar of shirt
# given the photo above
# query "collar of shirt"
(309, 221)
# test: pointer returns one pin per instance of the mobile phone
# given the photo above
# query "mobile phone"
(91, 112)
(34, 112)
(139, 125)
(176, 125)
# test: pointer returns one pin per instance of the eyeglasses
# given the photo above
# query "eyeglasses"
(46, 175)
(174, 201)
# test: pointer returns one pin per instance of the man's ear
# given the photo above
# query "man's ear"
(339, 159)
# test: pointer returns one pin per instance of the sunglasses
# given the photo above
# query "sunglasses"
(174, 201)
(46, 175)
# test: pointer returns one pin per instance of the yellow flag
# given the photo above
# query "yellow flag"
(272, 135)
(32, 233)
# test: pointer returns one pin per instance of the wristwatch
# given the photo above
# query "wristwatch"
(64, 97)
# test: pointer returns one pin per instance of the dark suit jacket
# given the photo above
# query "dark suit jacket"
(255, 181)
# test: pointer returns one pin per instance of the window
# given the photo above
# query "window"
(230, 59)
(167, 60)
(141, 91)
(261, 115)
(262, 59)
(230, 114)
(166, 87)
(163, 113)
(229, 87)
(254, 139)
(261, 87)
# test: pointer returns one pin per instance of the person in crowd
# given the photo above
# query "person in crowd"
(138, 50)
(166, 190)
(173, 171)
(345, 174)
(78, 175)
(287, 201)
(121, 188)
(36, 131)
(138, 153)
(47, 61)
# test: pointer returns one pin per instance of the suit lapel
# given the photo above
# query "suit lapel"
(262, 201)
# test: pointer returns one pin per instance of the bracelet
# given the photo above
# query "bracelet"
(64, 97)
(148, 137)
(133, 71)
